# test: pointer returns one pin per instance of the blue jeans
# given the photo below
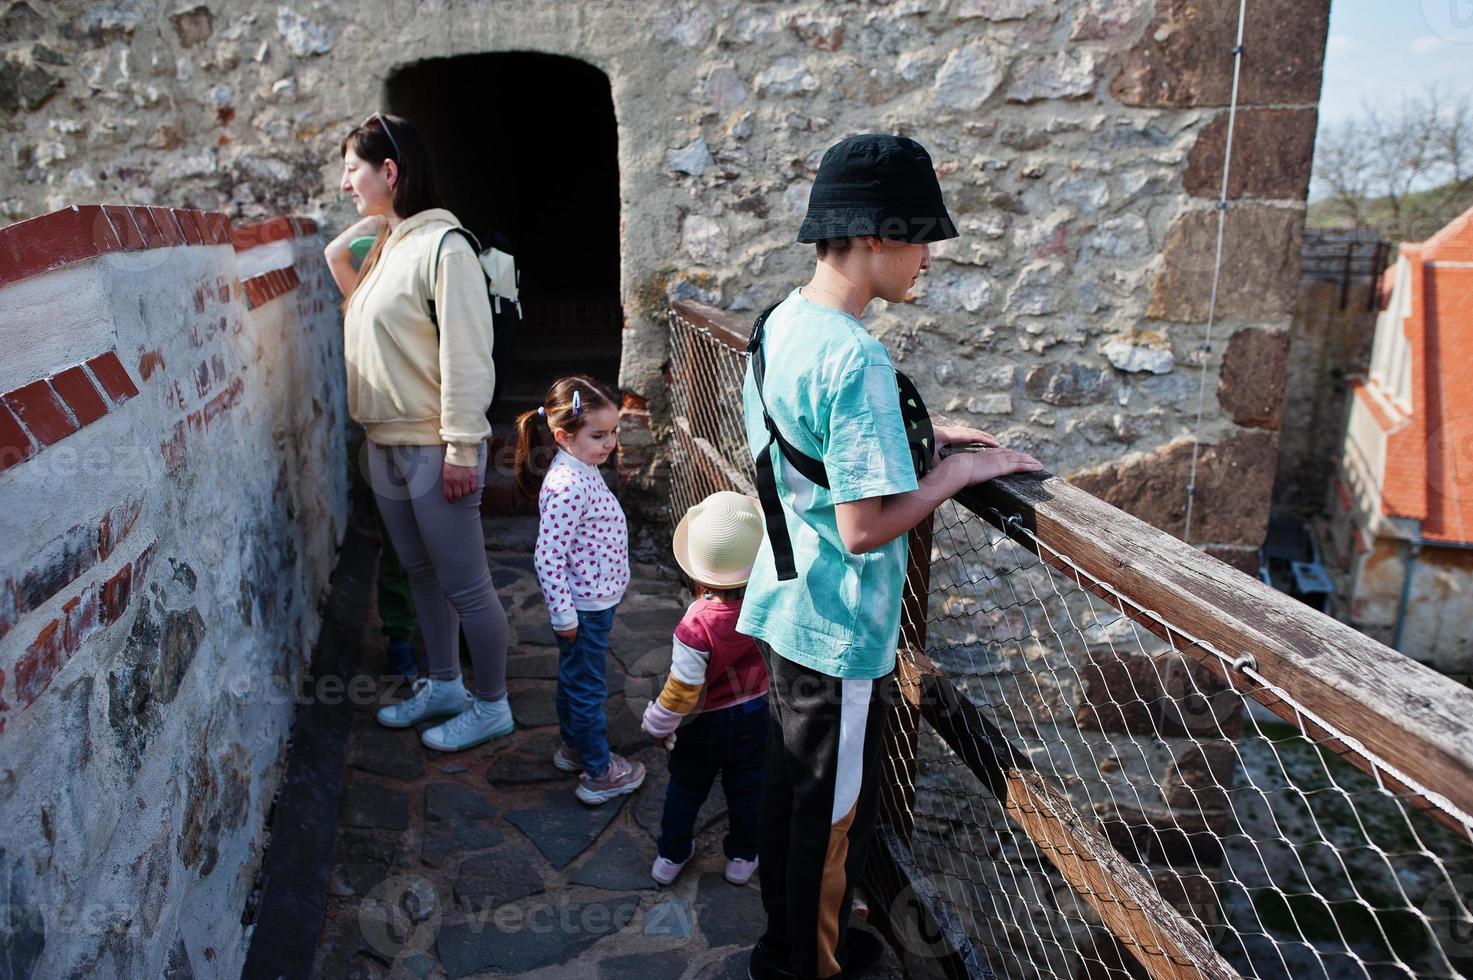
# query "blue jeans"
(581, 689)
(730, 741)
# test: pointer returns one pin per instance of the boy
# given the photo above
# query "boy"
(824, 597)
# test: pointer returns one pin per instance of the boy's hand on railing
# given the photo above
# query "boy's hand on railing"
(988, 463)
(948, 434)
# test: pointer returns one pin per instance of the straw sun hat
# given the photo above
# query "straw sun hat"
(716, 541)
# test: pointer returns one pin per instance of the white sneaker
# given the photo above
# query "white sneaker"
(431, 699)
(665, 871)
(481, 722)
(739, 871)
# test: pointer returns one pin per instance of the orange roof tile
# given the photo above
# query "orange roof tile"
(1429, 463)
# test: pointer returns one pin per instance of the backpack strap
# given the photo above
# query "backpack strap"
(812, 469)
(918, 431)
(475, 248)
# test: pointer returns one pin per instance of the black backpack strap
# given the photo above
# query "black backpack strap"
(811, 469)
(475, 248)
(919, 431)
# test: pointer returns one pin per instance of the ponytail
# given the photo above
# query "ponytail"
(528, 477)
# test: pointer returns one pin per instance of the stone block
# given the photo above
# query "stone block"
(369, 805)
(1200, 703)
(1193, 895)
(561, 827)
(1068, 74)
(544, 936)
(1122, 693)
(455, 822)
(1272, 152)
(620, 864)
(969, 76)
(668, 963)
(729, 915)
(1072, 383)
(489, 881)
(1201, 777)
(1260, 265)
(362, 860)
(1255, 369)
(1234, 486)
(1185, 56)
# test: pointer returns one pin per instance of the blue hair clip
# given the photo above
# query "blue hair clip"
(542, 410)
(577, 402)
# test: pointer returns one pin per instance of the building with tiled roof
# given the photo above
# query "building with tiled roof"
(1403, 513)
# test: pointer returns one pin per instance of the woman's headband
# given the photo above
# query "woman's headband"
(384, 125)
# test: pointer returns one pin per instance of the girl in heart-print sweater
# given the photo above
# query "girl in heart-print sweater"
(582, 541)
(582, 562)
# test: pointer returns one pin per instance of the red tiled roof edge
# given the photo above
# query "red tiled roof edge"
(84, 231)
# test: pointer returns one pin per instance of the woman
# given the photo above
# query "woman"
(421, 386)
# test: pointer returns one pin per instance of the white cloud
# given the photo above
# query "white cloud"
(1342, 44)
(1427, 42)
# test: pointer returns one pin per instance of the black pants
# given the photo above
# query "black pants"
(820, 796)
(731, 742)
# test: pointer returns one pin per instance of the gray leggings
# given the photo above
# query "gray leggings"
(443, 549)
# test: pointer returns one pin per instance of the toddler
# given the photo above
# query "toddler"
(716, 691)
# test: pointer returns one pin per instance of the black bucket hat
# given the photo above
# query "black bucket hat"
(879, 185)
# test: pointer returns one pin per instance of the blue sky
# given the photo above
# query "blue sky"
(1382, 50)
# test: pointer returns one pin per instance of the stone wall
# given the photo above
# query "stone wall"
(1330, 342)
(1079, 144)
(172, 495)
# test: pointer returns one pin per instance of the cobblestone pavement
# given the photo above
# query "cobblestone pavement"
(482, 863)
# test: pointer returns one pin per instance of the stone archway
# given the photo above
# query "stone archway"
(525, 144)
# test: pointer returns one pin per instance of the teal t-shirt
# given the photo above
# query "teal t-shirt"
(830, 388)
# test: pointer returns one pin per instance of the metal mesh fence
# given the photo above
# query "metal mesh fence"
(707, 444)
(1247, 831)
(1292, 862)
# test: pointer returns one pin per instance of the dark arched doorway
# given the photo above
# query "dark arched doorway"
(526, 144)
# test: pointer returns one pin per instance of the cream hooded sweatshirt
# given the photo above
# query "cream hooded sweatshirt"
(407, 383)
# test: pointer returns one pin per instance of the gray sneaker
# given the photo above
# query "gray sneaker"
(621, 777)
(565, 759)
(431, 700)
(481, 722)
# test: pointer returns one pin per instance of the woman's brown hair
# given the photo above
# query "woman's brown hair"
(414, 191)
(557, 412)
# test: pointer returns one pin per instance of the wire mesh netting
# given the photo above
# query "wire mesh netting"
(1281, 859)
(707, 443)
(1293, 863)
